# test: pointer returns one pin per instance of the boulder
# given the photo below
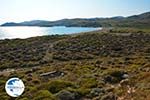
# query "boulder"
(52, 74)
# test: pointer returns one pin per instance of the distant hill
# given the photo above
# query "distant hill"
(142, 20)
(141, 16)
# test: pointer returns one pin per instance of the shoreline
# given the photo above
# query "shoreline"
(63, 33)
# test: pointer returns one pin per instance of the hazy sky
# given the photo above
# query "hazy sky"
(21, 10)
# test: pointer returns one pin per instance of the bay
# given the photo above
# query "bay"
(29, 31)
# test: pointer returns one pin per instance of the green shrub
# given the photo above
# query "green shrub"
(58, 85)
(2, 82)
(89, 83)
(44, 95)
(83, 91)
(4, 96)
(24, 98)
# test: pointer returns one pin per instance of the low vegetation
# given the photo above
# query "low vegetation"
(111, 64)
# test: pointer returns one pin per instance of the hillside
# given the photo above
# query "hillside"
(140, 21)
(100, 65)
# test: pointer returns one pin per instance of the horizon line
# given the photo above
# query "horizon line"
(75, 18)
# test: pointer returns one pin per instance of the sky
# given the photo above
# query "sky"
(25, 10)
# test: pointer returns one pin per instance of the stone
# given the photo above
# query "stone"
(109, 96)
(96, 91)
(52, 74)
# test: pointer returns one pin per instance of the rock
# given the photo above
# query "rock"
(125, 76)
(96, 91)
(29, 75)
(28, 72)
(108, 79)
(115, 76)
(124, 82)
(52, 74)
(110, 89)
(109, 96)
(98, 62)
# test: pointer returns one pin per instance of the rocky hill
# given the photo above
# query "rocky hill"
(140, 21)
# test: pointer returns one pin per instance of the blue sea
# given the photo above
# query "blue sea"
(26, 32)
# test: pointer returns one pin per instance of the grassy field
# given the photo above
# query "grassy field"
(112, 64)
